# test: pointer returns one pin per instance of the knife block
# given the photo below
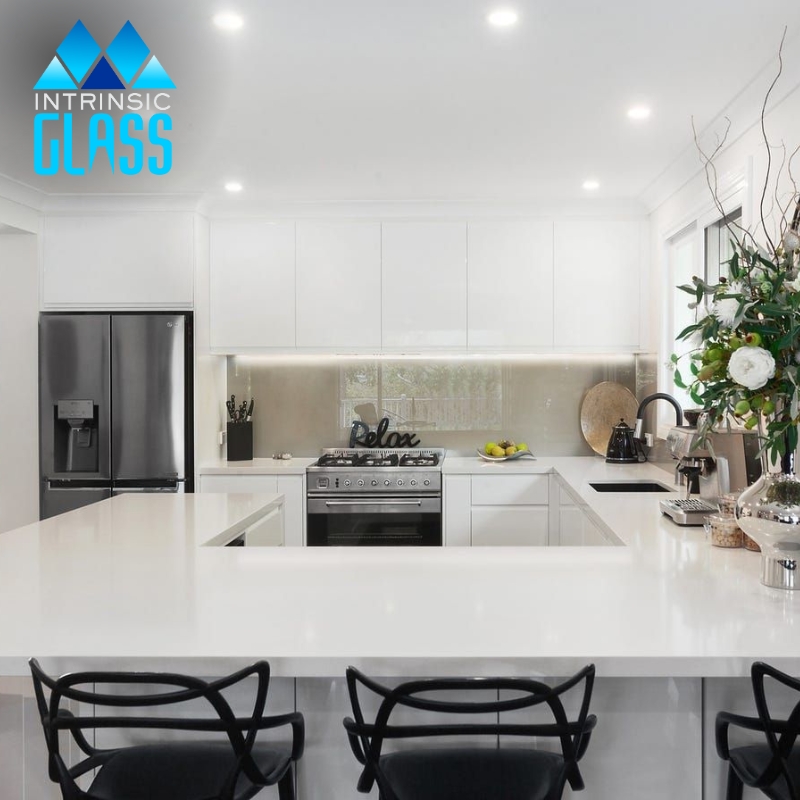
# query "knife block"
(240, 441)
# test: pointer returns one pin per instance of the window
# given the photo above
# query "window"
(444, 396)
(718, 248)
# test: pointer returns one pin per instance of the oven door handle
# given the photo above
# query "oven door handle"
(373, 502)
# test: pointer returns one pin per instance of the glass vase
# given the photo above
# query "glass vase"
(769, 513)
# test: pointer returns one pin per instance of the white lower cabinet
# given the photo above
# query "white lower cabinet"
(517, 526)
(496, 510)
(292, 487)
(508, 510)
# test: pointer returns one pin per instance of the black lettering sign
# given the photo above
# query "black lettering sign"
(394, 439)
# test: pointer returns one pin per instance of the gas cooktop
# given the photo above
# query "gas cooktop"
(405, 470)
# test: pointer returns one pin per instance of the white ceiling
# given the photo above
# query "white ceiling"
(379, 100)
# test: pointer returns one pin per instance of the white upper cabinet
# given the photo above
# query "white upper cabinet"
(252, 285)
(141, 260)
(339, 285)
(510, 284)
(424, 285)
(598, 269)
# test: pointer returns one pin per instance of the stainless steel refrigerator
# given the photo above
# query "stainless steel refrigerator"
(115, 407)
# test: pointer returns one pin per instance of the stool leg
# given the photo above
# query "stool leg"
(735, 787)
(286, 786)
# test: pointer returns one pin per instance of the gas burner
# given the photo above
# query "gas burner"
(338, 460)
(378, 460)
(419, 460)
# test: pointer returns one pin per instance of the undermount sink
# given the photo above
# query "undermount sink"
(630, 486)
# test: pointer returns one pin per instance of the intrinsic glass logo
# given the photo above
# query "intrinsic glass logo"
(81, 81)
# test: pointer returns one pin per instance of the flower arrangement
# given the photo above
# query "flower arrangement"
(747, 357)
(745, 360)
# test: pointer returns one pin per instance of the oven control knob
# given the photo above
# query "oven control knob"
(413, 483)
(400, 482)
(386, 483)
(374, 483)
(347, 483)
(427, 483)
(361, 483)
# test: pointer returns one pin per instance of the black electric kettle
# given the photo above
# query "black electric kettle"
(622, 446)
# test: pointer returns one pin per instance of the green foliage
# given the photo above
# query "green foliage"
(757, 305)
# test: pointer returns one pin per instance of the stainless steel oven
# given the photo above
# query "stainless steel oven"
(374, 521)
(375, 498)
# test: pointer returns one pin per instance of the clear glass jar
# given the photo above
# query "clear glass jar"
(724, 531)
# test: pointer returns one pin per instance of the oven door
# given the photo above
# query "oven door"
(374, 521)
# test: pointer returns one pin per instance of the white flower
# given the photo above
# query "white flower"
(791, 241)
(794, 285)
(751, 367)
(725, 310)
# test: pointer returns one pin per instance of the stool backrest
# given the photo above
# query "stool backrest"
(781, 735)
(174, 689)
(367, 739)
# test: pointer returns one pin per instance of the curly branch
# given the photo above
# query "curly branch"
(766, 142)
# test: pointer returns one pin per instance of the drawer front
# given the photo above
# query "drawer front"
(267, 532)
(231, 484)
(509, 490)
(509, 527)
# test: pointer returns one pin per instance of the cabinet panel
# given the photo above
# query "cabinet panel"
(232, 484)
(293, 489)
(424, 294)
(598, 265)
(456, 500)
(132, 261)
(509, 526)
(252, 285)
(509, 490)
(510, 284)
(339, 268)
(267, 532)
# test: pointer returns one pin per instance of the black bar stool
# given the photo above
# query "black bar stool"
(773, 767)
(229, 766)
(471, 772)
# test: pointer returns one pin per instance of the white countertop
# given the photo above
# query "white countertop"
(124, 583)
(258, 466)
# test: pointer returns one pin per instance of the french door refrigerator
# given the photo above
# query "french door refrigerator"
(115, 406)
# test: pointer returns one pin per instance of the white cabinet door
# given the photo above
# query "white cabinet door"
(339, 285)
(252, 285)
(509, 526)
(456, 510)
(510, 284)
(293, 489)
(571, 523)
(132, 261)
(491, 490)
(598, 265)
(424, 268)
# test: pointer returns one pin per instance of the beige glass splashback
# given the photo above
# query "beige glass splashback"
(304, 404)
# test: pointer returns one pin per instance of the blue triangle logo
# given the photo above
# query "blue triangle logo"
(103, 77)
(154, 76)
(55, 77)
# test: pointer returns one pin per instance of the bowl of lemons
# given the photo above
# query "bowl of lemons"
(504, 450)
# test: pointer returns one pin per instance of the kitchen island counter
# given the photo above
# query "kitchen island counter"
(665, 604)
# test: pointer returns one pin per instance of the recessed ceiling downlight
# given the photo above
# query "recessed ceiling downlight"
(638, 112)
(228, 21)
(503, 18)
(591, 185)
(233, 186)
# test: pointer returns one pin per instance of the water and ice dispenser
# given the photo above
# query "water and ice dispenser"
(76, 439)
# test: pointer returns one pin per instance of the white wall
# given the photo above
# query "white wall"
(19, 404)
